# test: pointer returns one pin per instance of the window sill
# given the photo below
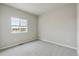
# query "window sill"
(18, 32)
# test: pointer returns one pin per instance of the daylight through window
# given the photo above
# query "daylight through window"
(18, 25)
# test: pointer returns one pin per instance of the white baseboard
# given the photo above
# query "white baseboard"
(18, 43)
(42, 40)
(61, 44)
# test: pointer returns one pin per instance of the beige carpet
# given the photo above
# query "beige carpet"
(38, 48)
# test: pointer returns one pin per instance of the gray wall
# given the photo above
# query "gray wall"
(9, 39)
(0, 26)
(59, 26)
(78, 28)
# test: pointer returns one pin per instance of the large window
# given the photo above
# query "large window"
(18, 25)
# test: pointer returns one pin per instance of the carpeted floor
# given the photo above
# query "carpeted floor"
(38, 48)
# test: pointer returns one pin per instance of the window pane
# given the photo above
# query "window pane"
(15, 21)
(23, 22)
(18, 25)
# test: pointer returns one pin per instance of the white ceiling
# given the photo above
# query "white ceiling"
(36, 8)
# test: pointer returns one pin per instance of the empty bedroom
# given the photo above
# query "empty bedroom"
(39, 29)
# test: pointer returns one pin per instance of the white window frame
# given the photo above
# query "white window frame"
(18, 24)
